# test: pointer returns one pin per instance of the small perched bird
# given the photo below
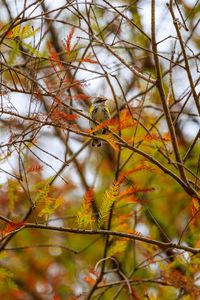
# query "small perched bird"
(99, 112)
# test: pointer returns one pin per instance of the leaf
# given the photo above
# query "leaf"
(141, 167)
(117, 247)
(41, 190)
(99, 126)
(58, 115)
(59, 201)
(50, 206)
(88, 59)
(88, 199)
(27, 31)
(69, 40)
(55, 61)
(133, 190)
(126, 121)
(22, 32)
(11, 226)
(14, 52)
(48, 209)
(110, 196)
(35, 168)
(14, 32)
(90, 280)
(85, 215)
(167, 137)
(196, 204)
(31, 49)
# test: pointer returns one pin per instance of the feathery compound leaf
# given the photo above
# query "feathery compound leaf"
(42, 190)
(88, 199)
(118, 246)
(37, 168)
(14, 52)
(31, 49)
(69, 40)
(61, 116)
(125, 122)
(54, 60)
(50, 206)
(85, 215)
(109, 198)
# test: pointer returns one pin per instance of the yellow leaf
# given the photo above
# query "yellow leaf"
(59, 201)
(196, 203)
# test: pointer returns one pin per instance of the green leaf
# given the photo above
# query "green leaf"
(31, 49)
(41, 190)
(14, 52)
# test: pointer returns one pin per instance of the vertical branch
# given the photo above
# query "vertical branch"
(187, 67)
(163, 99)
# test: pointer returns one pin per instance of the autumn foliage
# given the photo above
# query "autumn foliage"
(120, 221)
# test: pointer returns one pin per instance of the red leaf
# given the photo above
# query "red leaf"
(12, 226)
(54, 60)
(68, 40)
(88, 59)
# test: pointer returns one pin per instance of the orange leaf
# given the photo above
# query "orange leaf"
(59, 201)
(137, 169)
(12, 226)
(100, 126)
(122, 124)
(167, 137)
(89, 280)
(88, 198)
(34, 168)
(135, 232)
(196, 205)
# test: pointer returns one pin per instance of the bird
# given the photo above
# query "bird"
(99, 112)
